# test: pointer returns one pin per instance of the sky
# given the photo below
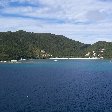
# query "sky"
(87, 21)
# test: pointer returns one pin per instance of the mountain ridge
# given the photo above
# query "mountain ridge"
(28, 45)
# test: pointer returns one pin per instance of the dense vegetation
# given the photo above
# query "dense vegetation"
(102, 48)
(28, 45)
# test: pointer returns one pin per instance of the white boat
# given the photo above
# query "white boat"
(55, 60)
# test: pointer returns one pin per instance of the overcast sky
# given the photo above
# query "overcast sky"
(87, 21)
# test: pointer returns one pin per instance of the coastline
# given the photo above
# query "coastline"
(55, 59)
(73, 58)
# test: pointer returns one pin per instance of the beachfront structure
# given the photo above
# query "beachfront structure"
(13, 61)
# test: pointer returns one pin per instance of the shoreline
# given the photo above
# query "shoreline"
(73, 58)
(55, 59)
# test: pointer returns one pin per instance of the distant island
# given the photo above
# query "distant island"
(28, 45)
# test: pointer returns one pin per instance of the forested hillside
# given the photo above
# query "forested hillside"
(21, 44)
(29, 45)
(100, 49)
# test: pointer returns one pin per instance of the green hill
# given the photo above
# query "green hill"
(101, 48)
(22, 44)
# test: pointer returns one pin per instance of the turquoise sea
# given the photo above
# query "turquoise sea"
(62, 86)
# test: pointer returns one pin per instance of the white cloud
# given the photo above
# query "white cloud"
(69, 10)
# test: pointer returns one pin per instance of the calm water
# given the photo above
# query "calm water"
(62, 86)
